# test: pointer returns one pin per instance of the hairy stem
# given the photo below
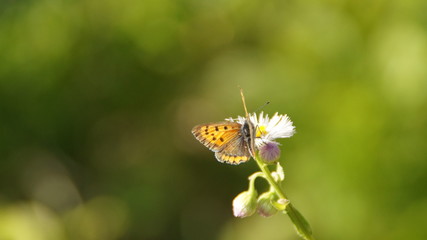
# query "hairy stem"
(301, 225)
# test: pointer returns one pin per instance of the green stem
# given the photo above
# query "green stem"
(301, 225)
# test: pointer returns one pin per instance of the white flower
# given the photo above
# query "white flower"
(267, 130)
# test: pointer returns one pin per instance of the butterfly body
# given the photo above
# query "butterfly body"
(232, 142)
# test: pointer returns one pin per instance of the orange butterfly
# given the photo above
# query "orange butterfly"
(232, 142)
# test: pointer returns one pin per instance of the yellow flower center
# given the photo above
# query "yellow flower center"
(260, 130)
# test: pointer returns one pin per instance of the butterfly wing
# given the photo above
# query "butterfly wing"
(235, 152)
(216, 135)
(225, 139)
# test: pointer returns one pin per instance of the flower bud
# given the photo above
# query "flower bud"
(269, 152)
(265, 206)
(245, 204)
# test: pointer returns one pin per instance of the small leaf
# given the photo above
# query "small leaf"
(280, 172)
(280, 204)
(301, 225)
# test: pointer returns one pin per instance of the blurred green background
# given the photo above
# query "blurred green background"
(98, 97)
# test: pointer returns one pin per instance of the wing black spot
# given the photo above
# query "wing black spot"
(216, 128)
(221, 139)
(214, 138)
(225, 127)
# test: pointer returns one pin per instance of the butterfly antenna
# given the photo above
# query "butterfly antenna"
(244, 103)
(265, 104)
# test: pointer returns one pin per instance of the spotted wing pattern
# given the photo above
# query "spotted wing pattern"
(225, 139)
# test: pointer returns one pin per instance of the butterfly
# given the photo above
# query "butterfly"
(232, 142)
